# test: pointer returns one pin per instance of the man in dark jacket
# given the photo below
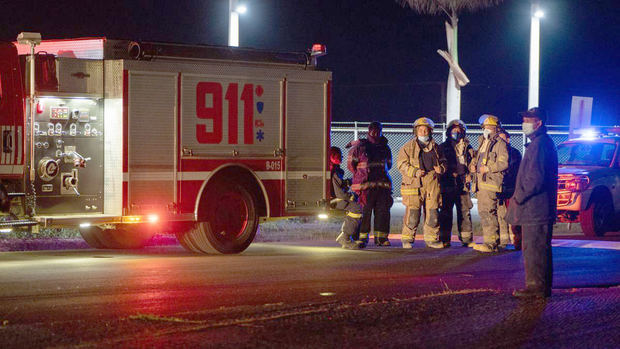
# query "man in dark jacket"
(369, 161)
(455, 184)
(508, 189)
(533, 205)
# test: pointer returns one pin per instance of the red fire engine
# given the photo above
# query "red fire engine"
(124, 139)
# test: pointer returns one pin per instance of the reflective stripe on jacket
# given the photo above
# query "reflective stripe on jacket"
(494, 156)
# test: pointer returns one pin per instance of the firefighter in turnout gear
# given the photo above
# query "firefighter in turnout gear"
(343, 199)
(421, 163)
(455, 184)
(507, 233)
(490, 164)
(369, 161)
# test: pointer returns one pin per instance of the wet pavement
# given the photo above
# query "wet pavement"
(306, 294)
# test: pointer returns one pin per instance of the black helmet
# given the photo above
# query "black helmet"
(455, 123)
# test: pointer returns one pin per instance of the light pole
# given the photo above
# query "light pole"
(533, 87)
(234, 10)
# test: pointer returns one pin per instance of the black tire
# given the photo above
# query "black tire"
(130, 236)
(229, 225)
(119, 238)
(91, 235)
(184, 238)
(596, 220)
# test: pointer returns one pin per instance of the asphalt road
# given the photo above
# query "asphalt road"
(304, 294)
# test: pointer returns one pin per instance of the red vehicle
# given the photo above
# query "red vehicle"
(125, 139)
(589, 183)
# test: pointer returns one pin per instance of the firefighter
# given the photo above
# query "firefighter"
(342, 199)
(455, 184)
(508, 234)
(489, 166)
(370, 160)
(421, 162)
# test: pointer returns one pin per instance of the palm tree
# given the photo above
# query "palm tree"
(451, 8)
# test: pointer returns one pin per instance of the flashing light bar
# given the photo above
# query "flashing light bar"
(323, 216)
(318, 50)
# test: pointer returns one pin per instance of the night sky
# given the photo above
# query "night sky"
(382, 55)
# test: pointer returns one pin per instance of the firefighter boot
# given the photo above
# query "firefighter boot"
(435, 244)
(381, 239)
(467, 239)
(484, 248)
(346, 243)
(410, 226)
(363, 240)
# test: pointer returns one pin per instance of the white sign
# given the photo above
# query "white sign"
(580, 115)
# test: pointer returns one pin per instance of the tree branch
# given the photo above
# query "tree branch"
(443, 8)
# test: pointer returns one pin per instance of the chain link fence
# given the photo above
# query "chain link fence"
(399, 133)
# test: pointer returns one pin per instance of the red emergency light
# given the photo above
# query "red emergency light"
(318, 50)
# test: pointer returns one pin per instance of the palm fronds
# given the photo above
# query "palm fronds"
(451, 7)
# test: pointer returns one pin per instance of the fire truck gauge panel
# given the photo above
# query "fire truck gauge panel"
(69, 155)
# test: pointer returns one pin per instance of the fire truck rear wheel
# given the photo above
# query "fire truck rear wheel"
(185, 239)
(131, 236)
(119, 238)
(91, 235)
(230, 224)
(597, 218)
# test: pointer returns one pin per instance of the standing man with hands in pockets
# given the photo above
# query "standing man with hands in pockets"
(533, 205)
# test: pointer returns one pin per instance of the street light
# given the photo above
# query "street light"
(533, 87)
(234, 10)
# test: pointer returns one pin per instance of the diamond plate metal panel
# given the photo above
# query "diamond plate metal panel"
(80, 75)
(113, 138)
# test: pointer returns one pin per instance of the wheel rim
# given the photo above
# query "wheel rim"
(231, 217)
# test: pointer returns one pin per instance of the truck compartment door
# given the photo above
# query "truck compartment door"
(11, 112)
(306, 116)
(151, 142)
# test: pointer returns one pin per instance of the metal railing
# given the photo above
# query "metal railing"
(399, 133)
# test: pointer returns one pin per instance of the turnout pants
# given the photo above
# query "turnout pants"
(428, 196)
(487, 208)
(537, 257)
(352, 218)
(378, 201)
(462, 201)
(504, 229)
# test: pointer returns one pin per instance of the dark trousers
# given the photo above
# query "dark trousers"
(352, 218)
(378, 201)
(537, 256)
(462, 201)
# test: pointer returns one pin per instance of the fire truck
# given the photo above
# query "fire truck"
(123, 139)
(589, 181)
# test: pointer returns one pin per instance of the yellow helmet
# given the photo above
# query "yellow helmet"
(424, 122)
(488, 120)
